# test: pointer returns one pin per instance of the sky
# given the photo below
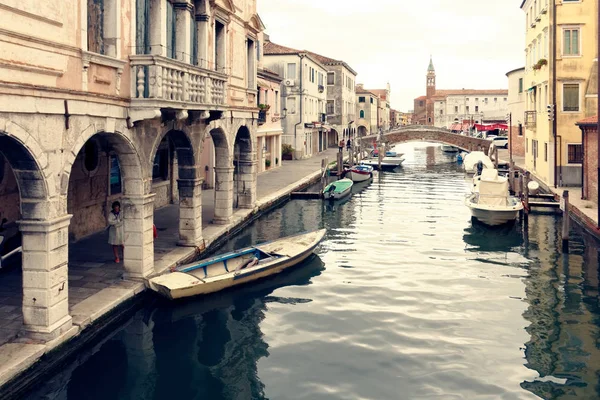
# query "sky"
(474, 43)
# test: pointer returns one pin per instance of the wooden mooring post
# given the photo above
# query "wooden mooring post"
(564, 206)
(380, 156)
(511, 176)
(525, 189)
(340, 163)
(496, 157)
(324, 174)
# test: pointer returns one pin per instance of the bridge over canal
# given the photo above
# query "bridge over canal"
(421, 133)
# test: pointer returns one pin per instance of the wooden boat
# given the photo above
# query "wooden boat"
(387, 163)
(236, 268)
(360, 173)
(449, 149)
(338, 189)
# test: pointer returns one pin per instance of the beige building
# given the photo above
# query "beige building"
(383, 107)
(269, 134)
(516, 110)
(304, 97)
(367, 104)
(561, 72)
(118, 102)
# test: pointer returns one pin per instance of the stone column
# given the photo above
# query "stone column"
(45, 277)
(138, 257)
(247, 184)
(223, 195)
(190, 212)
(260, 143)
(158, 32)
(183, 36)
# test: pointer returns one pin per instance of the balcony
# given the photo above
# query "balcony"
(262, 117)
(322, 118)
(530, 119)
(161, 82)
(321, 88)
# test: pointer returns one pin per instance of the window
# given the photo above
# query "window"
(571, 97)
(372, 101)
(115, 176)
(420, 103)
(575, 155)
(505, 99)
(250, 61)
(520, 129)
(441, 112)
(455, 109)
(219, 46)
(545, 151)
(545, 43)
(291, 71)
(142, 26)
(476, 108)
(361, 99)
(194, 42)
(291, 105)
(330, 107)
(102, 24)
(570, 42)
(171, 30)
(466, 99)
(276, 101)
(467, 109)
(320, 79)
(476, 99)
(331, 78)
(362, 113)
(495, 99)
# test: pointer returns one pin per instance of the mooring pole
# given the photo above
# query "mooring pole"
(526, 192)
(565, 221)
(511, 176)
(496, 157)
(340, 163)
(323, 174)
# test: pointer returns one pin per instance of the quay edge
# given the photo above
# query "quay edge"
(20, 370)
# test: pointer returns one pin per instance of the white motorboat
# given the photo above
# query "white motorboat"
(449, 149)
(472, 159)
(338, 189)
(242, 266)
(490, 202)
(360, 173)
(386, 162)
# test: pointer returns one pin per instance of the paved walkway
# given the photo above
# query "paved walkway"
(95, 281)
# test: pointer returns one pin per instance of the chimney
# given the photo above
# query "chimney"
(266, 37)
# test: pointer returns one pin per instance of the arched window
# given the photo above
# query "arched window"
(362, 113)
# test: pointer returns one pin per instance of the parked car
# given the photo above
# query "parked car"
(500, 142)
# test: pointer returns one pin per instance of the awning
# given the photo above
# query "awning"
(490, 127)
(456, 127)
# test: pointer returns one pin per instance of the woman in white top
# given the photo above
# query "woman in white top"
(115, 230)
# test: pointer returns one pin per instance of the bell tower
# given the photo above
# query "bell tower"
(430, 79)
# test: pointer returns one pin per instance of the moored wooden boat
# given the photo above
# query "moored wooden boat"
(338, 189)
(360, 173)
(242, 266)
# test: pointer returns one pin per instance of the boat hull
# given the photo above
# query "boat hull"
(170, 286)
(337, 195)
(449, 149)
(359, 176)
(387, 163)
(493, 216)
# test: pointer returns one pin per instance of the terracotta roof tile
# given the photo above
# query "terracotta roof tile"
(588, 121)
(274, 49)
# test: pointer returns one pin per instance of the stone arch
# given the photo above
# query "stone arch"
(362, 131)
(131, 167)
(223, 174)
(245, 170)
(222, 146)
(333, 138)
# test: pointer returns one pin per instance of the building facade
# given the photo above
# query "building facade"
(479, 106)
(383, 107)
(589, 134)
(341, 99)
(516, 109)
(561, 64)
(303, 97)
(367, 105)
(270, 131)
(117, 102)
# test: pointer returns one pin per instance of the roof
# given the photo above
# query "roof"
(515, 70)
(365, 91)
(463, 92)
(430, 68)
(272, 49)
(589, 121)
(330, 61)
(421, 98)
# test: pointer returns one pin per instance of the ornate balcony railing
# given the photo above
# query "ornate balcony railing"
(163, 82)
(530, 119)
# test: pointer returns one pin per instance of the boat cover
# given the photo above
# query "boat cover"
(489, 174)
(493, 192)
(474, 157)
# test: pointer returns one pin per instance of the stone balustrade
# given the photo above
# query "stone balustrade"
(158, 80)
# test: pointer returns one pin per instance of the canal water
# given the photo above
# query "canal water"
(406, 299)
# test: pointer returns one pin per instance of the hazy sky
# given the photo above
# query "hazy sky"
(474, 43)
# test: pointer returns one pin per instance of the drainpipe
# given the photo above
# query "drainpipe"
(553, 64)
(301, 103)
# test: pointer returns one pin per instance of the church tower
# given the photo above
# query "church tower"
(430, 79)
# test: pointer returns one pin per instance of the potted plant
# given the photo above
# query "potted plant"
(267, 163)
(264, 107)
(542, 62)
(287, 152)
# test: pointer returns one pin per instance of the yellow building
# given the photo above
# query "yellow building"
(560, 57)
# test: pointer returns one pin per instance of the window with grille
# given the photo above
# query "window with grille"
(575, 153)
(330, 107)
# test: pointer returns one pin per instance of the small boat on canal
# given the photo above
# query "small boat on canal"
(449, 149)
(491, 203)
(387, 163)
(338, 189)
(360, 173)
(236, 268)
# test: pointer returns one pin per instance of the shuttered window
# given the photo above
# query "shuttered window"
(194, 42)
(171, 23)
(95, 26)
(142, 27)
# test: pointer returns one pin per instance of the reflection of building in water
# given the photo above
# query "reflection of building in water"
(562, 320)
(431, 155)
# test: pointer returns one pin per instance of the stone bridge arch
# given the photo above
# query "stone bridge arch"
(421, 133)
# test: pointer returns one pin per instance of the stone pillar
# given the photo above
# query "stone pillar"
(247, 184)
(183, 37)
(260, 141)
(45, 277)
(138, 257)
(203, 40)
(223, 195)
(190, 212)
(158, 32)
